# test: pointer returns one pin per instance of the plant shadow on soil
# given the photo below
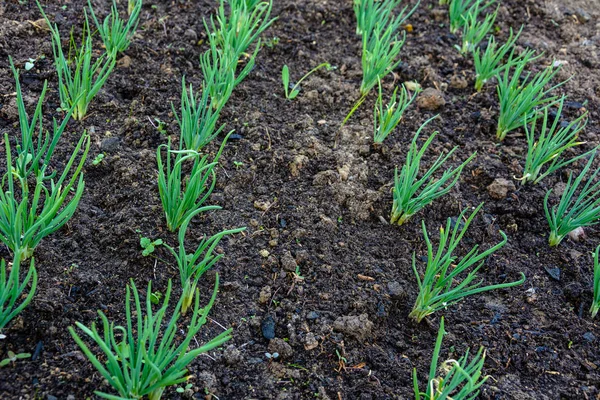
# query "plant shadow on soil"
(310, 203)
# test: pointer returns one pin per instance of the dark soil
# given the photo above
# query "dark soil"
(305, 199)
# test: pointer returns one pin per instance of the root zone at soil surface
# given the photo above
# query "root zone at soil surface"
(315, 197)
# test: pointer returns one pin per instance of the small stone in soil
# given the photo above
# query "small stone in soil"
(268, 327)
(431, 99)
(553, 272)
(500, 187)
(312, 315)
(288, 262)
(357, 326)
(110, 144)
(395, 290)
(589, 336)
(281, 347)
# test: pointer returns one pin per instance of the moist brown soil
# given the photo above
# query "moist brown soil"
(322, 197)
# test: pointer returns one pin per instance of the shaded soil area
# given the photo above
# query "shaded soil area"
(314, 197)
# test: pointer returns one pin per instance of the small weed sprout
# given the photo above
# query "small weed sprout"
(596, 294)
(198, 121)
(79, 80)
(439, 287)
(26, 219)
(546, 148)
(33, 157)
(143, 358)
(385, 119)
(182, 196)
(461, 379)
(407, 201)
(292, 91)
(474, 31)
(12, 357)
(12, 289)
(520, 99)
(489, 63)
(459, 9)
(114, 32)
(192, 266)
(574, 210)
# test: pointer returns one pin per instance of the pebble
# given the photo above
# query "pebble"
(553, 272)
(288, 262)
(458, 82)
(191, 35)
(268, 327)
(124, 62)
(500, 187)
(232, 355)
(431, 99)
(110, 144)
(310, 341)
(589, 336)
(357, 326)
(582, 15)
(281, 347)
(265, 295)
(395, 290)
(312, 315)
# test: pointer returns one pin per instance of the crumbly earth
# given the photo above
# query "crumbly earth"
(315, 197)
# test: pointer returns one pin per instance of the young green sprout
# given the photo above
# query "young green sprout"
(381, 42)
(218, 71)
(412, 194)
(181, 196)
(596, 295)
(459, 9)
(114, 32)
(576, 208)
(440, 286)
(474, 31)
(33, 157)
(79, 80)
(461, 379)
(520, 99)
(39, 210)
(12, 296)
(489, 63)
(292, 91)
(144, 357)
(386, 119)
(198, 120)
(192, 266)
(546, 148)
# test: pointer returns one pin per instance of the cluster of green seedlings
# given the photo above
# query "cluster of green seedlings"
(143, 357)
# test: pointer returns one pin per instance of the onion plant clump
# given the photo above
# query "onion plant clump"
(181, 196)
(79, 79)
(385, 119)
(219, 76)
(115, 33)
(193, 265)
(458, 10)
(198, 120)
(440, 286)
(520, 99)
(488, 63)
(370, 12)
(12, 289)
(596, 294)
(458, 379)
(145, 356)
(411, 193)
(31, 209)
(474, 30)
(291, 92)
(33, 156)
(577, 208)
(545, 150)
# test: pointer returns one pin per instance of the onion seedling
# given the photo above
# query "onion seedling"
(439, 286)
(218, 71)
(474, 31)
(143, 357)
(26, 219)
(192, 266)
(114, 32)
(292, 91)
(596, 295)
(520, 99)
(198, 120)
(370, 12)
(489, 63)
(34, 157)
(547, 148)
(12, 289)
(386, 119)
(406, 185)
(461, 380)
(79, 80)
(574, 210)
(181, 196)
(459, 9)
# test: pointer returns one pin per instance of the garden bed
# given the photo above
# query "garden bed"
(315, 196)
